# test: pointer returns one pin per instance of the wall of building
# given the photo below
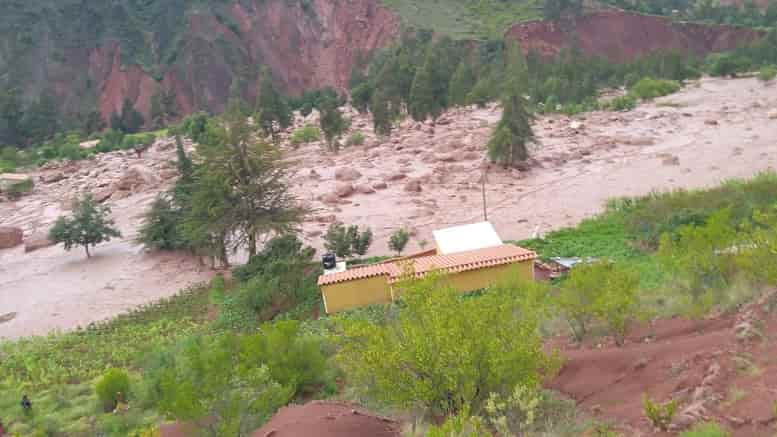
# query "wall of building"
(351, 294)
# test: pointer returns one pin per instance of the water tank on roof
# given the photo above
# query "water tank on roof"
(329, 261)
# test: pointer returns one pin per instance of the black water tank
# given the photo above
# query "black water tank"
(329, 261)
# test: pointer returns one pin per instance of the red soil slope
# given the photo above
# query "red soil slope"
(620, 36)
(327, 419)
(723, 369)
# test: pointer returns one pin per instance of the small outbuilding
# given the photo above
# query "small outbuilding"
(472, 257)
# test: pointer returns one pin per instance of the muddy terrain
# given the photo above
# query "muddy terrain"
(423, 177)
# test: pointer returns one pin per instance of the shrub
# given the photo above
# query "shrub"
(726, 64)
(18, 189)
(306, 134)
(345, 241)
(622, 103)
(445, 353)
(112, 387)
(398, 240)
(355, 139)
(159, 229)
(660, 415)
(767, 73)
(706, 430)
(648, 88)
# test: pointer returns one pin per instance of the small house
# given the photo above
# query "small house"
(472, 257)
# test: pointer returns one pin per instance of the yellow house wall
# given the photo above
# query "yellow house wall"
(368, 291)
(351, 294)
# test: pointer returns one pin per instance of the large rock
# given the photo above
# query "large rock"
(413, 186)
(379, 186)
(347, 174)
(135, 177)
(10, 237)
(364, 189)
(344, 190)
(395, 177)
(50, 178)
(101, 195)
(37, 241)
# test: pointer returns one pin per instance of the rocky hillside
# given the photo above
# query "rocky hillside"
(92, 54)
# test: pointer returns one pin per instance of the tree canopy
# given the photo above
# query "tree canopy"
(89, 226)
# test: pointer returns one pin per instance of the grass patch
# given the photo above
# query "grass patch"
(463, 19)
(649, 88)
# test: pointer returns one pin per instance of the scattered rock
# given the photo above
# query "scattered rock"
(772, 114)
(7, 317)
(50, 178)
(364, 189)
(395, 177)
(135, 177)
(37, 241)
(413, 186)
(331, 198)
(379, 186)
(102, 195)
(10, 237)
(347, 174)
(344, 190)
(670, 160)
(314, 174)
(711, 122)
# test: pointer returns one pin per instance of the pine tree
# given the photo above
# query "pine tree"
(157, 112)
(461, 84)
(511, 137)
(10, 117)
(333, 124)
(41, 120)
(423, 101)
(131, 119)
(381, 115)
(271, 107)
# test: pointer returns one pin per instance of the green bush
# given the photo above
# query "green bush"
(727, 64)
(112, 387)
(355, 139)
(601, 291)
(622, 103)
(706, 430)
(648, 88)
(660, 415)
(306, 134)
(767, 73)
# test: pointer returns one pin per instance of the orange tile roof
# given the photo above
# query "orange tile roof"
(452, 263)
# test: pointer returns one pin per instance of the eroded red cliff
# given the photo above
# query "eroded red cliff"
(621, 36)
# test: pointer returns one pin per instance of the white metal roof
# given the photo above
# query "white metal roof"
(467, 237)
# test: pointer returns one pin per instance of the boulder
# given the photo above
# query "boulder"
(772, 114)
(364, 189)
(344, 190)
(670, 160)
(50, 178)
(413, 186)
(347, 174)
(395, 177)
(37, 241)
(711, 122)
(102, 195)
(379, 186)
(10, 236)
(135, 177)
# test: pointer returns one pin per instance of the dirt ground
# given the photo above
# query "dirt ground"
(723, 369)
(712, 130)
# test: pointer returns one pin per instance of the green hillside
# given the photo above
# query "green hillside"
(478, 19)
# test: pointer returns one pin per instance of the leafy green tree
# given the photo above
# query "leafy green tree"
(512, 135)
(338, 240)
(112, 387)
(92, 122)
(398, 240)
(601, 291)
(333, 124)
(89, 226)
(41, 119)
(160, 227)
(362, 242)
(361, 96)
(447, 354)
(345, 241)
(381, 116)
(461, 84)
(212, 383)
(272, 111)
(700, 259)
